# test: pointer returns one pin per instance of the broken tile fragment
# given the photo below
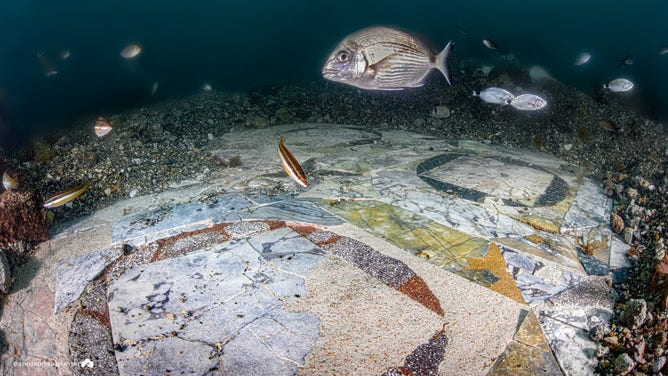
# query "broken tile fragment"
(74, 274)
(494, 262)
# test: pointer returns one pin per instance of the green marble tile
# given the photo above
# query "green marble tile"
(440, 245)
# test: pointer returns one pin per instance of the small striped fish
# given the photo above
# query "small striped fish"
(66, 196)
(382, 58)
(290, 164)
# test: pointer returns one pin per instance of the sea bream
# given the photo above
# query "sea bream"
(495, 95)
(619, 85)
(383, 58)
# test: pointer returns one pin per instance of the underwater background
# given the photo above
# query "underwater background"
(237, 45)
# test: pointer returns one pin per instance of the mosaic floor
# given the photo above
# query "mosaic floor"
(405, 255)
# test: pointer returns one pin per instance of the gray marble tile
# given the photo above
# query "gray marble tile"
(618, 249)
(74, 274)
(140, 228)
(590, 208)
(230, 294)
(572, 347)
(290, 209)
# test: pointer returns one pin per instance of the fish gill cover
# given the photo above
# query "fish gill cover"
(62, 60)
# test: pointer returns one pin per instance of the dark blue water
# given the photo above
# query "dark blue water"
(236, 45)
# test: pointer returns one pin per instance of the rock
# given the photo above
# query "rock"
(568, 147)
(660, 282)
(611, 341)
(659, 339)
(5, 274)
(283, 115)
(601, 351)
(256, 122)
(624, 364)
(597, 332)
(636, 313)
(616, 222)
(440, 112)
(658, 364)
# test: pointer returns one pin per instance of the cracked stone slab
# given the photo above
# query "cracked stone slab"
(230, 295)
(74, 274)
(290, 209)
(140, 228)
(590, 208)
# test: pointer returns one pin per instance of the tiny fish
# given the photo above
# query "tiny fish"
(662, 50)
(627, 60)
(131, 51)
(383, 58)
(528, 102)
(207, 87)
(490, 44)
(608, 125)
(154, 88)
(619, 85)
(290, 164)
(582, 58)
(494, 95)
(64, 55)
(102, 127)
(47, 67)
(9, 182)
(66, 196)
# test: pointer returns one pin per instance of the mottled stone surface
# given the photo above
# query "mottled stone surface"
(76, 273)
(228, 296)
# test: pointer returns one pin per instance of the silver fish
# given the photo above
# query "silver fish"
(627, 60)
(9, 182)
(582, 58)
(619, 85)
(494, 95)
(382, 58)
(131, 51)
(528, 102)
(490, 44)
(663, 50)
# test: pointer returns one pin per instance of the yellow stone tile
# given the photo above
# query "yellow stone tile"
(530, 333)
(438, 244)
(495, 263)
(523, 360)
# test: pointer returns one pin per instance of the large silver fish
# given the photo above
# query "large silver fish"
(382, 58)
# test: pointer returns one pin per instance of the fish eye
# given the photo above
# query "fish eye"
(343, 56)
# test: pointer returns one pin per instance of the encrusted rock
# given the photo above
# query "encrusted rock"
(624, 364)
(660, 282)
(22, 218)
(636, 313)
(616, 222)
(658, 364)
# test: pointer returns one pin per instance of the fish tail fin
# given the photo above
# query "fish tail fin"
(476, 93)
(443, 61)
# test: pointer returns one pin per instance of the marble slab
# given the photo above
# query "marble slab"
(75, 273)
(228, 297)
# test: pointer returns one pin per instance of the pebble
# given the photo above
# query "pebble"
(636, 313)
(568, 147)
(133, 193)
(5, 274)
(611, 341)
(209, 136)
(624, 364)
(658, 364)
